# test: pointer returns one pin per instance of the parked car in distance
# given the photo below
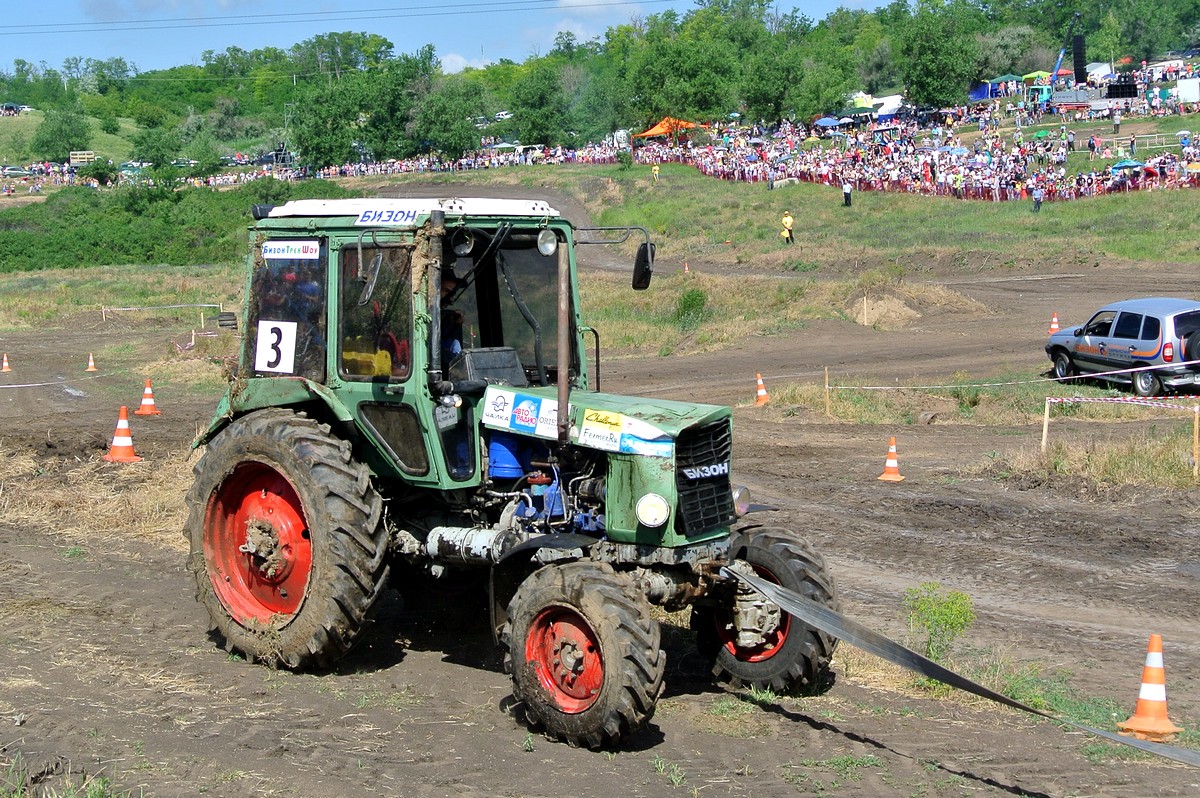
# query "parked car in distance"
(500, 117)
(1126, 337)
(16, 171)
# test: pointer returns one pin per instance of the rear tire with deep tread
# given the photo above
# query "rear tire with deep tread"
(798, 656)
(584, 654)
(1146, 384)
(287, 547)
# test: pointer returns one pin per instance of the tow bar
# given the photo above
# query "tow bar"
(834, 623)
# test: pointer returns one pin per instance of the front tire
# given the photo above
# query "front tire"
(793, 655)
(286, 542)
(1146, 384)
(584, 653)
(1064, 367)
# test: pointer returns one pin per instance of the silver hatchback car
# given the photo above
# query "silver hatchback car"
(1134, 333)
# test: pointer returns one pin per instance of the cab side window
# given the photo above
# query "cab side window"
(1101, 323)
(376, 321)
(1129, 325)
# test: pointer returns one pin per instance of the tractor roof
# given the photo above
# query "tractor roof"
(386, 212)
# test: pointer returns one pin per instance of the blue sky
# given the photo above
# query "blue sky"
(155, 34)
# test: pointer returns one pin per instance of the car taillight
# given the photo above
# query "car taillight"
(1168, 352)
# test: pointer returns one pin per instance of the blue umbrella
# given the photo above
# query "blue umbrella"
(1126, 164)
(827, 121)
(959, 151)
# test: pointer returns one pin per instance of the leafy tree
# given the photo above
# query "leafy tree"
(444, 121)
(105, 172)
(109, 125)
(1107, 40)
(61, 132)
(325, 133)
(156, 146)
(539, 104)
(1013, 48)
(937, 54)
(390, 98)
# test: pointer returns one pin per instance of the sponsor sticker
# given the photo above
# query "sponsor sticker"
(519, 412)
(291, 250)
(631, 444)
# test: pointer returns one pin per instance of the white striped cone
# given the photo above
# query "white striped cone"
(891, 466)
(761, 397)
(121, 450)
(1149, 719)
(147, 408)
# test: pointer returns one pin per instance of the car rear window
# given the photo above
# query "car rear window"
(1187, 322)
(1128, 325)
(1151, 328)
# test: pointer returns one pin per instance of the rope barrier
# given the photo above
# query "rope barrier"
(1162, 405)
(1089, 376)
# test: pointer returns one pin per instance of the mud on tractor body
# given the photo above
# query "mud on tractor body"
(415, 406)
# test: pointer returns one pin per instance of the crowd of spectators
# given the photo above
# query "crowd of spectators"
(986, 151)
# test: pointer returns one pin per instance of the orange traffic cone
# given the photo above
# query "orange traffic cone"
(121, 450)
(1053, 325)
(891, 466)
(4, 364)
(91, 363)
(1149, 720)
(147, 408)
(762, 398)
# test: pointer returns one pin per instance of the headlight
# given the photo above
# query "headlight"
(547, 242)
(652, 510)
(741, 500)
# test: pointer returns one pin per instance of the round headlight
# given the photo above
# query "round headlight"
(547, 242)
(462, 242)
(741, 500)
(652, 510)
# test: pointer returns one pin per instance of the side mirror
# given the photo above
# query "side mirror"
(643, 267)
(369, 275)
(1077, 332)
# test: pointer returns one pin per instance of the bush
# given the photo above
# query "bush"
(625, 159)
(942, 616)
(691, 309)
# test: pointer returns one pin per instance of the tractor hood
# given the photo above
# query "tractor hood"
(609, 422)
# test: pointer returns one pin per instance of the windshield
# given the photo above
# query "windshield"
(505, 297)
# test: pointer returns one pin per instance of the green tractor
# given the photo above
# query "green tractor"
(415, 407)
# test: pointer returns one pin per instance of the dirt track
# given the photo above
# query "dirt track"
(105, 667)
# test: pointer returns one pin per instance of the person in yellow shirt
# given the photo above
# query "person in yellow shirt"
(787, 227)
(654, 171)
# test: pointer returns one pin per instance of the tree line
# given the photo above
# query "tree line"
(342, 96)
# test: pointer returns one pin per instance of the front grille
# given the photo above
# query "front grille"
(702, 459)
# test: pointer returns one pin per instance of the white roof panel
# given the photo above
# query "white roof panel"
(388, 212)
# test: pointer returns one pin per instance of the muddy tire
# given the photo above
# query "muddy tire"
(795, 656)
(583, 653)
(286, 543)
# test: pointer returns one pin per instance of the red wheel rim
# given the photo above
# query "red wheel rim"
(563, 651)
(774, 641)
(257, 545)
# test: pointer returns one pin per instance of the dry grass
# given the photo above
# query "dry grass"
(733, 308)
(94, 502)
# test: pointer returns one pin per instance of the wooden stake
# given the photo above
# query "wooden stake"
(828, 409)
(1046, 424)
(1196, 443)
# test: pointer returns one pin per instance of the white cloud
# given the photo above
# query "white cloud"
(453, 62)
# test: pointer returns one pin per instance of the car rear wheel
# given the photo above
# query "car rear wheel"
(1191, 346)
(1146, 384)
(1064, 367)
